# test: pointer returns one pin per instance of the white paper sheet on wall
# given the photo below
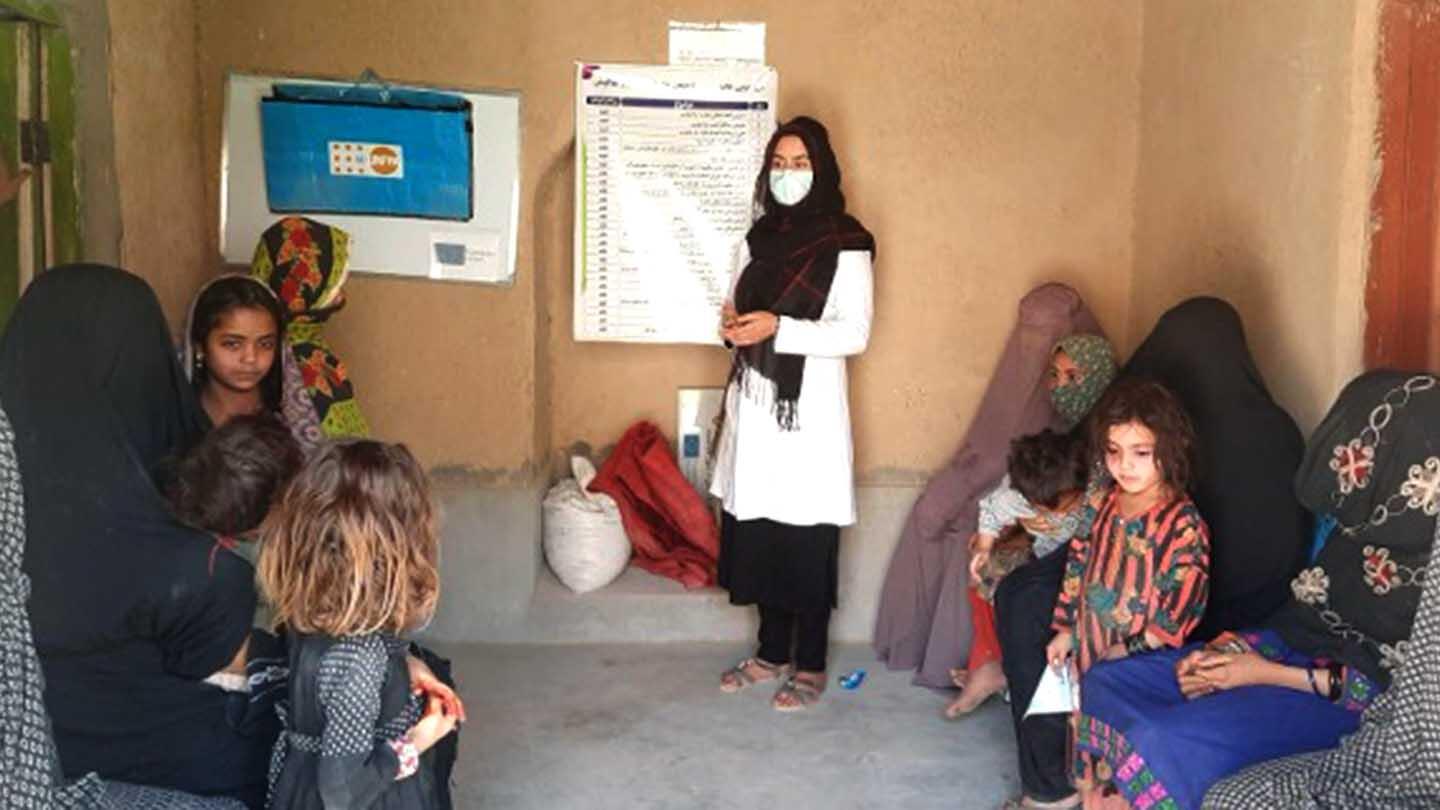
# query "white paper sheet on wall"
(467, 256)
(693, 43)
(664, 191)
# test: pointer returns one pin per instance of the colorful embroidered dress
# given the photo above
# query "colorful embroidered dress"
(1147, 574)
(304, 263)
(1132, 578)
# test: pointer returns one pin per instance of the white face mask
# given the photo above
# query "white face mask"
(789, 186)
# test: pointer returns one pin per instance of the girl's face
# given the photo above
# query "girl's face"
(1130, 458)
(1063, 371)
(240, 350)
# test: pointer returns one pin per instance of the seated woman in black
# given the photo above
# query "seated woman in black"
(131, 609)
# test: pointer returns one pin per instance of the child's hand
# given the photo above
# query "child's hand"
(978, 560)
(980, 547)
(1059, 649)
(424, 682)
(433, 726)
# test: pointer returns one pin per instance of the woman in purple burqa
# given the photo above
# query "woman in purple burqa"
(924, 616)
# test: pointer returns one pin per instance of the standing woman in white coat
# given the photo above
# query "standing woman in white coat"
(800, 304)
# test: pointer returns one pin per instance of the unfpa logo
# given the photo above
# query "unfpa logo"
(384, 161)
(359, 159)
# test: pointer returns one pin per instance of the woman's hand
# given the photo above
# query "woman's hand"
(1059, 648)
(11, 181)
(424, 682)
(432, 726)
(980, 547)
(727, 320)
(1187, 677)
(752, 328)
(1205, 671)
(237, 664)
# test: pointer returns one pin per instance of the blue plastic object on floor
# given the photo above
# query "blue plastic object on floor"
(852, 679)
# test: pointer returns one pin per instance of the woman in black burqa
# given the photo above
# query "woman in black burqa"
(131, 610)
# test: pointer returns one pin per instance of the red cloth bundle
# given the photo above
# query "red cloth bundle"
(671, 529)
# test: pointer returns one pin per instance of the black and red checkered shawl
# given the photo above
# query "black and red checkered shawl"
(793, 253)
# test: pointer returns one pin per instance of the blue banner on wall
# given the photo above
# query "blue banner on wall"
(366, 150)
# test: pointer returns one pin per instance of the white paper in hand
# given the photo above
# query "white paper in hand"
(1055, 694)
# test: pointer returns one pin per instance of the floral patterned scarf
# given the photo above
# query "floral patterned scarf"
(1095, 359)
(304, 263)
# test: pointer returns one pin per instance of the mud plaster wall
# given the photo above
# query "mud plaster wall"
(1256, 169)
(990, 146)
(1217, 147)
(164, 223)
(449, 369)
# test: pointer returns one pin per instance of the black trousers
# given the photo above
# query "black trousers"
(1024, 606)
(800, 637)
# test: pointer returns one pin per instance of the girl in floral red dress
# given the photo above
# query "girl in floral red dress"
(1139, 581)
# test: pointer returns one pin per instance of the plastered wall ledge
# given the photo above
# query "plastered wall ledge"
(498, 590)
(454, 477)
(489, 558)
(893, 477)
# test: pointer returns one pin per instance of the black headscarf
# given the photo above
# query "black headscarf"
(129, 608)
(1248, 450)
(793, 253)
(1373, 464)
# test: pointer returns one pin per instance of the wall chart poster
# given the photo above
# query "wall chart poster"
(666, 160)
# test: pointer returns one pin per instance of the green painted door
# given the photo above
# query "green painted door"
(11, 242)
(40, 228)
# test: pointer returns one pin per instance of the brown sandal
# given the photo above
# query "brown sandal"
(739, 676)
(803, 693)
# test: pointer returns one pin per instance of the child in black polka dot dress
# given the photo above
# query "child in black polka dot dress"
(348, 561)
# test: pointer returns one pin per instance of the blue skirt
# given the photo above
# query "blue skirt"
(1164, 752)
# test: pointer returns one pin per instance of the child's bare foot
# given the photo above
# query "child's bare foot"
(750, 672)
(1099, 799)
(987, 679)
(958, 676)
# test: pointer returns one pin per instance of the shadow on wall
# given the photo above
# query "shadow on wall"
(1216, 256)
(492, 534)
(553, 215)
(1287, 306)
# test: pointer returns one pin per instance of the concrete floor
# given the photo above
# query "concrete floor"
(644, 726)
